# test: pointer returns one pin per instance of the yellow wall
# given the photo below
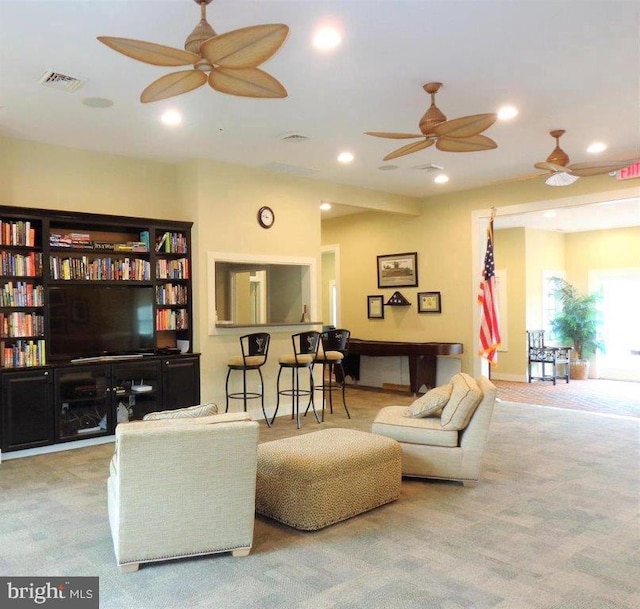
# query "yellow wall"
(54, 177)
(509, 248)
(597, 250)
(222, 200)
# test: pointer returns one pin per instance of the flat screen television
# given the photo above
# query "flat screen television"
(93, 320)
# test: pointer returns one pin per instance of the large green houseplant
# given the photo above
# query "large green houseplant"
(578, 323)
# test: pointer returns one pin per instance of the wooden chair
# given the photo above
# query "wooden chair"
(552, 357)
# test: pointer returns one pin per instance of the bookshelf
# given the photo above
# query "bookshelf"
(22, 305)
(45, 254)
(44, 248)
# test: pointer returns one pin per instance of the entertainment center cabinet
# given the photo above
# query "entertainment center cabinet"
(93, 308)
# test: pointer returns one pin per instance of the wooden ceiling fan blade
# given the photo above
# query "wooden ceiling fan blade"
(465, 126)
(408, 149)
(246, 82)
(598, 167)
(394, 136)
(467, 144)
(149, 52)
(173, 84)
(547, 166)
(245, 48)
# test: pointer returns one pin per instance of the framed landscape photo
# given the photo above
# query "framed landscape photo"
(429, 302)
(375, 307)
(398, 270)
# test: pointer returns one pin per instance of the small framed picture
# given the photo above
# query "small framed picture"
(375, 307)
(398, 270)
(429, 302)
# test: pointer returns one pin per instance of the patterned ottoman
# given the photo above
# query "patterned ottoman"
(313, 480)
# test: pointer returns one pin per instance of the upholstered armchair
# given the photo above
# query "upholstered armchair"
(444, 433)
(182, 487)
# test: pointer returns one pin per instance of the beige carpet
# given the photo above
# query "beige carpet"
(553, 524)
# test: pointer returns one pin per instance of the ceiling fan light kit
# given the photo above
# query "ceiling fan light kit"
(231, 60)
(457, 135)
(564, 174)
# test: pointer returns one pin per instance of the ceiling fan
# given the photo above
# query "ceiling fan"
(231, 60)
(563, 174)
(457, 135)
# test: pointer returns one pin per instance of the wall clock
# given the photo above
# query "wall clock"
(266, 217)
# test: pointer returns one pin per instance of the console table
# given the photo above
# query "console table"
(422, 358)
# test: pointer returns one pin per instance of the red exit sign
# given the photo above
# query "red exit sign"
(626, 173)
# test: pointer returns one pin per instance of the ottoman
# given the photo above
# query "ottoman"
(313, 480)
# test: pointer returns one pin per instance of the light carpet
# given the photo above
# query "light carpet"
(552, 525)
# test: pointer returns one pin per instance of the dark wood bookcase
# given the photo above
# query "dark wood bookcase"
(49, 397)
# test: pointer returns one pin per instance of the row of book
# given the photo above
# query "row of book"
(170, 319)
(22, 354)
(171, 243)
(96, 269)
(172, 269)
(170, 294)
(83, 241)
(21, 294)
(21, 265)
(19, 324)
(17, 233)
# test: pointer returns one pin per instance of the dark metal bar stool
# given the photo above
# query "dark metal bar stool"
(334, 347)
(305, 349)
(255, 348)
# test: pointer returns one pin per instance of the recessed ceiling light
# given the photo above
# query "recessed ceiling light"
(97, 102)
(172, 118)
(324, 206)
(597, 147)
(345, 157)
(550, 213)
(441, 179)
(326, 38)
(507, 112)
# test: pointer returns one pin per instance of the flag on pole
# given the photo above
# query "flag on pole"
(488, 299)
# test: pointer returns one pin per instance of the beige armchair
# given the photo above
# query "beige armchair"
(182, 487)
(450, 443)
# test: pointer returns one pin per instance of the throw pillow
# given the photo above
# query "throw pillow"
(430, 402)
(201, 410)
(465, 397)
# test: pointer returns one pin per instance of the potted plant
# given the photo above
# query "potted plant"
(578, 322)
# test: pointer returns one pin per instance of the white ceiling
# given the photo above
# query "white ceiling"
(570, 64)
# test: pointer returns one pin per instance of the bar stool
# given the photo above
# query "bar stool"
(255, 348)
(305, 349)
(334, 346)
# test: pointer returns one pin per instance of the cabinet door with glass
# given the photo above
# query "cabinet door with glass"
(83, 402)
(136, 389)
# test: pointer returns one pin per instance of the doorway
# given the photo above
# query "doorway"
(331, 285)
(620, 291)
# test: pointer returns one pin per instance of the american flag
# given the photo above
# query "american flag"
(488, 299)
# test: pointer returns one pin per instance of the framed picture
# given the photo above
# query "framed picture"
(398, 270)
(429, 302)
(375, 307)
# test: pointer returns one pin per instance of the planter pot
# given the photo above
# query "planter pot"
(579, 370)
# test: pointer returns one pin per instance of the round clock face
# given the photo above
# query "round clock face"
(266, 217)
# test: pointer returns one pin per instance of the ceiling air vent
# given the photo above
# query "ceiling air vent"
(289, 169)
(62, 82)
(294, 138)
(428, 168)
